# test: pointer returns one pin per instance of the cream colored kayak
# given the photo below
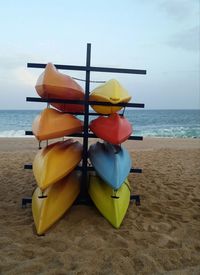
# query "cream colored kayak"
(51, 123)
(49, 206)
(112, 204)
(53, 84)
(55, 161)
(111, 92)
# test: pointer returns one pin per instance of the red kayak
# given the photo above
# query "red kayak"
(114, 129)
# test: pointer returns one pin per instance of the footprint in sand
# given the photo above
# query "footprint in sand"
(124, 252)
(197, 248)
(195, 200)
(196, 217)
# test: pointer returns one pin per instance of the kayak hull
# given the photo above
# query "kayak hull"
(56, 200)
(111, 92)
(56, 161)
(114, 129)
(112, 205)
(53, 84)
(112, 163)
(51, 123)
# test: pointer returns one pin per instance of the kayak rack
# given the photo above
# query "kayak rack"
(84, 197)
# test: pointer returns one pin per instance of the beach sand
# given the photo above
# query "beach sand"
(162, 236)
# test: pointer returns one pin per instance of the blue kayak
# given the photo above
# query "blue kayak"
(112, 163)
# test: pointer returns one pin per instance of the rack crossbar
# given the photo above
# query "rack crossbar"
(89, 168)
(82, 102)
(30, 133)
(88, 68)
(80, 200)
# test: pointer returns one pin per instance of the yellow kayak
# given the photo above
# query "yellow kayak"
(56, 161)
(112, 204)
(111, 92)
(55, 201)
(51, 123)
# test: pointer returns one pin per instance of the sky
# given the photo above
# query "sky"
(160, 36)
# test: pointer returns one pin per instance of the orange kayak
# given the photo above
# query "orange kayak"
(51, 123)
(56, 161)
(114, 129)
(53, 84)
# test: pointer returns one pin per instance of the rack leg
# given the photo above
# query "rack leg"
(83, 201)
(25, 201)
(135, 198)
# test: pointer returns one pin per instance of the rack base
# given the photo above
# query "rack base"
(81, 200)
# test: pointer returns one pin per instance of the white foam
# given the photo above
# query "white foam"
(13, 133)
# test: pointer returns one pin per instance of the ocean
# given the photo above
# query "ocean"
(147, 123)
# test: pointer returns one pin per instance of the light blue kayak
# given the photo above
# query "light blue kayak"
(112, 163)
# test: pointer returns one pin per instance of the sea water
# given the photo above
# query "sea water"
(147, 123)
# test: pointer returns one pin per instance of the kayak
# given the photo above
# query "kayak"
(56, 161)
(51, 123)
(112, 163)
(114, 129)
(112, 204)
(111, 92)
(49, 206)
(53, 84)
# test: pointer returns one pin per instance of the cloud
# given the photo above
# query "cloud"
(178, 9)
(25, 77)
(187, 40)
(13, 70)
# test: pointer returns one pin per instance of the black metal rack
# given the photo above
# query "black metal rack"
(84, 197)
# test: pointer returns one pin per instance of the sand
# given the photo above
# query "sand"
(162, 236)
